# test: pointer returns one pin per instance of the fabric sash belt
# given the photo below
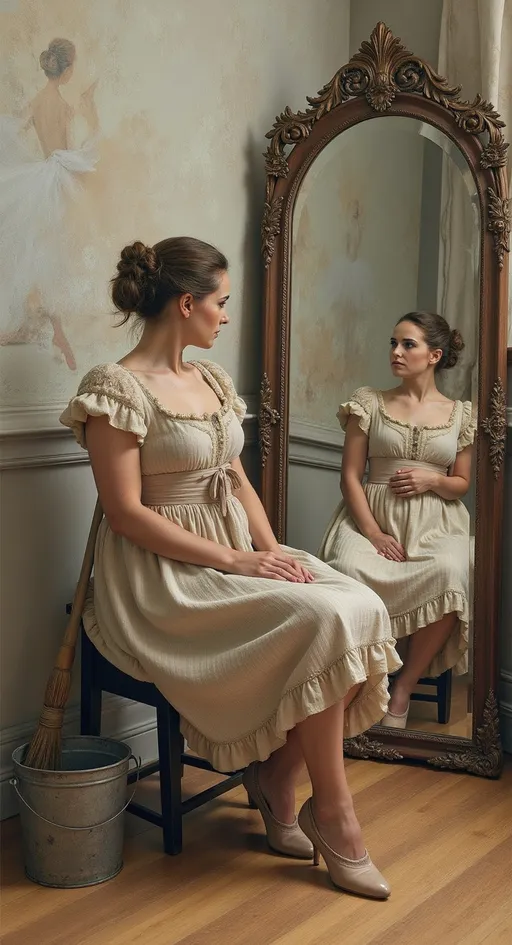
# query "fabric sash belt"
(382, 469)
(198, 487)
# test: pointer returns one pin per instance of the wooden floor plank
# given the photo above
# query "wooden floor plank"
(443, 841)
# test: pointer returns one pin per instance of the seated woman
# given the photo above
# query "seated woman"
(405, 532)
(189, 579)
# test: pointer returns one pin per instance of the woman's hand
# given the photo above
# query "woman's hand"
(388, 547)
(275, 565)
(408, 482)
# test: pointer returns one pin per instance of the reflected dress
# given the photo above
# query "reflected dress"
(434, 580)
(243, 659)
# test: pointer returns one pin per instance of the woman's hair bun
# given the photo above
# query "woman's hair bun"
(137, 271)
(455, 346)
(148, 277)
(57, 58)
(48, 62)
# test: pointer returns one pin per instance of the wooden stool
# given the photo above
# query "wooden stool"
(98, 675)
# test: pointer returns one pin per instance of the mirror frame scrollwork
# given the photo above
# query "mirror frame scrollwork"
(382, 79)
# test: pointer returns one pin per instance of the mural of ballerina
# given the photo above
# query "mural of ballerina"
(36, 196)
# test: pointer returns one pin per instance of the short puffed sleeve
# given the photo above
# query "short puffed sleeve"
(468, 426)
(361, 405)
(108, 390)
(224, 387)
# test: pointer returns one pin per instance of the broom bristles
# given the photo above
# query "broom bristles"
(45, 747)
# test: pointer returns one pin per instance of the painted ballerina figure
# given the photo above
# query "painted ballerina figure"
(35, 195)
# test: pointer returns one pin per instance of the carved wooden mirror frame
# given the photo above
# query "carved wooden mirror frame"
(382, 79)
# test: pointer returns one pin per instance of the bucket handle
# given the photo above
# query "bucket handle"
(138, 764)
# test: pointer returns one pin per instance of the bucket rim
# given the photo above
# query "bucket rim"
(97, 738)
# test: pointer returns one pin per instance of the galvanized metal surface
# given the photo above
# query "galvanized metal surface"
(73, 835)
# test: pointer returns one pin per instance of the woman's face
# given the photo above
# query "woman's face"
(206, 316)
(410, 355)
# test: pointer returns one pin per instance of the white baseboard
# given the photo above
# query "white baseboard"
(122, 719)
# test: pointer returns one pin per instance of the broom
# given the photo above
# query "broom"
(44, 751)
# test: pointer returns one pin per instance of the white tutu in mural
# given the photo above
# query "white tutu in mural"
(35, 196)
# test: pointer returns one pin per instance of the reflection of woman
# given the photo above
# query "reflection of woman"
(267, 653)
(33, 196)
(405, 533)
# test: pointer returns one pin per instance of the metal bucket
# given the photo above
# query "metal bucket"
(71, 822)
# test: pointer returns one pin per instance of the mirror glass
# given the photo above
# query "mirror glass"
(386, 222)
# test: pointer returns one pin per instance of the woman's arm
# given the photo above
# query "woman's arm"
(263, 537)
(409, 482)
(355, 454)
(115, 460)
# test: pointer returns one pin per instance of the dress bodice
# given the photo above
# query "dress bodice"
(389, 438)
(169, 442)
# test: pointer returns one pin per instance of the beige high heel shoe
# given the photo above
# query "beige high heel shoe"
(283, 838)
(355, 876)
(395, 720)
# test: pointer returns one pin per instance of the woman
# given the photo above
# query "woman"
(405, 532)
(189, 588)
(33, 197)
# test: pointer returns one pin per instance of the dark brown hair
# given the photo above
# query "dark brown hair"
(57, 58)
(148, 277)
(438, 334)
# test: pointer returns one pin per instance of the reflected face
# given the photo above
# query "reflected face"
(410, 356)
(209, 314)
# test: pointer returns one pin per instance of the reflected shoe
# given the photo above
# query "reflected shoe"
(393, 720)
(283, 838)
(355, 876)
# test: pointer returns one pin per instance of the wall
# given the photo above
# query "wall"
(315, 439)
(225, 71)
(355, 264)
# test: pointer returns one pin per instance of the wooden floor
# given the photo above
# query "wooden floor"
(444, 842)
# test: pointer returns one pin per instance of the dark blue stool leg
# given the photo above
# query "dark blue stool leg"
(169, 752)
(444, 697)
(90, 698)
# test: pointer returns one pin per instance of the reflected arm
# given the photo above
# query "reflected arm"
(355, 454)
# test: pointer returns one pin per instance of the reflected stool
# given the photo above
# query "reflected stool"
(442, 696)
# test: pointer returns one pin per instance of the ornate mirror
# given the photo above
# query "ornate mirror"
(386, 196)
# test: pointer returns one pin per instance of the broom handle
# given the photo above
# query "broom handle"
(71, 634)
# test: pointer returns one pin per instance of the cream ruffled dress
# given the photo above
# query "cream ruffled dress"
(434, 580)
(242, 659)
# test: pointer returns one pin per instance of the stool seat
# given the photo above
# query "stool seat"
(98, 675)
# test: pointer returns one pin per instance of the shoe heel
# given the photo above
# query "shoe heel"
(251, 803)
(316, 856)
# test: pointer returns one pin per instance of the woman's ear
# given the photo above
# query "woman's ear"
(185, 304)
(435, 355)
